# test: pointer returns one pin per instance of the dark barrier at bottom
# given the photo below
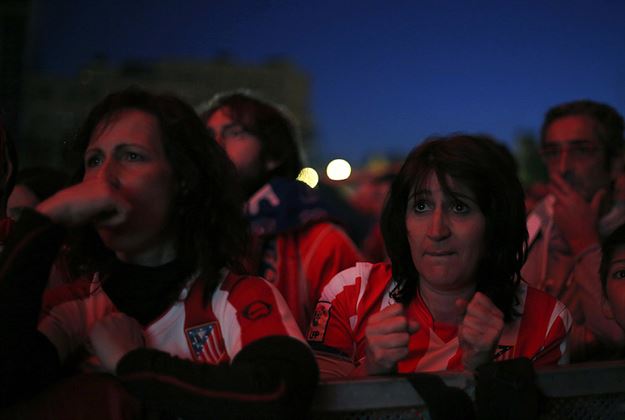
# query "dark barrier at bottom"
(581, 391)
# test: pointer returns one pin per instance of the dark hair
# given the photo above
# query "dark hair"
(42, 181)
(608, 246)
(609, 123)
(8, 168)
(274, 126)
(208, 206)
(477, 163)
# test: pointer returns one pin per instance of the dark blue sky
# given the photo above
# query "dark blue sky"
(385, 74)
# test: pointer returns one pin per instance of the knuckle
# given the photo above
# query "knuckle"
(401, 323)
(403, 338)
(378, 354)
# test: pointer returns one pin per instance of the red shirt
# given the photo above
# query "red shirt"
(241, 310)
(355, 294)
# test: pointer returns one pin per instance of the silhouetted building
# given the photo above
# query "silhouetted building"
(54, 106)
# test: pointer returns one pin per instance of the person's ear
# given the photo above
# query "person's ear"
(606, 308)
(617, 166)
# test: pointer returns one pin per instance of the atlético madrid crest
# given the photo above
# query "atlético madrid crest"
(205, 342)
(319, 322)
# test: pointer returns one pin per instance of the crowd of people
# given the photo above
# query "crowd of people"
(182, 270)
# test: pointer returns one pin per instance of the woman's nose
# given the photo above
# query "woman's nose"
(439, 228)
(108, 172)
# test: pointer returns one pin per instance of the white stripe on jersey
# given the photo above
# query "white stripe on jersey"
(560, 311)
(211, 347)
(167, 332)
(226, 315)
(363, 272)
(342, 279)
(347, 278)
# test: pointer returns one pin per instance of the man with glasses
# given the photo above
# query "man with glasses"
(582, 146)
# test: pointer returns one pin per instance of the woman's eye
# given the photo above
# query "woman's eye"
(421, 207)
(459, 207)
(93, 161)
(133, 156)
(233, 131)
(619, 274)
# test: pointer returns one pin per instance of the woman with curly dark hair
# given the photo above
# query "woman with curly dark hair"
(155, 227)
(452, 296)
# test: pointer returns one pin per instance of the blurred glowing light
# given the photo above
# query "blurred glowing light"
(338, 170)
(309, 176)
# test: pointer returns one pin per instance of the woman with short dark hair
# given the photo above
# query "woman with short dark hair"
(452, 296)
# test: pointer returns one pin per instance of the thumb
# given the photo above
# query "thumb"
(413, 325)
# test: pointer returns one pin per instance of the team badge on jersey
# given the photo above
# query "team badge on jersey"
(257, 310)
(319, 322)
(206, 343)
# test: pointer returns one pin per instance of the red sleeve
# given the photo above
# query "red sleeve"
(329, 251)
(330, 329)
(249, 308)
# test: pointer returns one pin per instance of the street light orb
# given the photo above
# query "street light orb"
(338, 170)
(309, 176)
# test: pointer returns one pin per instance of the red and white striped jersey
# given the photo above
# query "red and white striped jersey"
(352, 296)
(241, 310)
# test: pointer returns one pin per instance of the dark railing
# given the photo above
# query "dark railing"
(581, 391)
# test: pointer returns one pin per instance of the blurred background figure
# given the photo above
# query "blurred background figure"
(33, 185)
(534, 195)
(582, 146)
(296, 245)
(372, 184)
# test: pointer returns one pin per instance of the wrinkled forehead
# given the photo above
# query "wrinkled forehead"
(135, 115)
